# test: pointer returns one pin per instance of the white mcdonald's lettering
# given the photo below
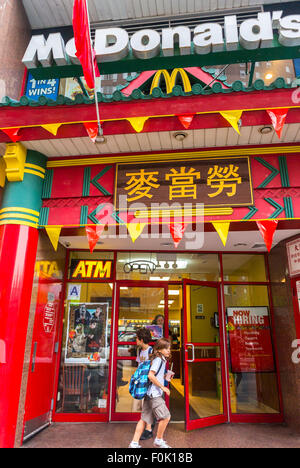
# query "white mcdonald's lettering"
(114, 44)
(93, 269)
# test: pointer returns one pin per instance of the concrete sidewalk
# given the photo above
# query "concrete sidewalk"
(104, 435)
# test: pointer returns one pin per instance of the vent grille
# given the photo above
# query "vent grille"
(191, 20)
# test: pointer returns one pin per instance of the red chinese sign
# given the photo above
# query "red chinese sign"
(250, 339)
(49, 317)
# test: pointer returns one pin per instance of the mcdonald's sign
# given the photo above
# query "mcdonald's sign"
(170, 80)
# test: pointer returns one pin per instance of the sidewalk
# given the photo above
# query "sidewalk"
(98, 435)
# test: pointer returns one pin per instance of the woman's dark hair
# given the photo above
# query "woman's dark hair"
(156, 317)
(144, 334)
(162, 343)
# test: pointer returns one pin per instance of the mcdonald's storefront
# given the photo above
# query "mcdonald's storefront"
(184, 220)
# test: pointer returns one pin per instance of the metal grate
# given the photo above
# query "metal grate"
(190, 20)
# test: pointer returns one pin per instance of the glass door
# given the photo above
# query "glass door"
(205, 400)
(138, 304)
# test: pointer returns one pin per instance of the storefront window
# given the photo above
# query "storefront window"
(83, 382)
(244, 267)
(253, 383)
(167, 266)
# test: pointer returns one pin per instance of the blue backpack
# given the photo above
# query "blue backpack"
(139, 382)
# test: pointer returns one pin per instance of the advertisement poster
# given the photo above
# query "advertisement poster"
(87, 333)
(156, 331)
(250, 339)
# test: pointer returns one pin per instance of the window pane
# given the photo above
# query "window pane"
(166, 266)
(244, 268)
(252, 364)
(124, 401)
(83, 382)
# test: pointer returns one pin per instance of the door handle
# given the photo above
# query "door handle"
(34, 356)
(193, 352)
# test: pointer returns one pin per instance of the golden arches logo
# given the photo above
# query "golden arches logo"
(170, 80)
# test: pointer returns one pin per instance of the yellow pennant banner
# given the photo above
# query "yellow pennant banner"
(53, 234)
(52, 128)
(222, 229)
(138, 123)
(135, 230)
(233, 118)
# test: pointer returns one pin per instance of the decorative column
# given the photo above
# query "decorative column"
(19, 216)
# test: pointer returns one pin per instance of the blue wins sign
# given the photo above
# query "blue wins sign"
(36, 88)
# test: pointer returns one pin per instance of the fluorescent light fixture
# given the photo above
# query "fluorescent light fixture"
(123, 287)
(157, 278)
(173, 292)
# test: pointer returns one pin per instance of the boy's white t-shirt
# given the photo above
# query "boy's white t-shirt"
(143, 355)
(153, 390)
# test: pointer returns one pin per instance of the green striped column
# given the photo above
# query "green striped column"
(22, 201)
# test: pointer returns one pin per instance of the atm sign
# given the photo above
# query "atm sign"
(91, 269)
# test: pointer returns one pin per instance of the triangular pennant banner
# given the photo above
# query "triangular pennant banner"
(186, 120)
(233, 118)
(223, 230)
(177, 230)
(138, 123)
(267, 229)
(92, 130)
(12, 133)
(52, 128)
(278, 117)
(93, 235)
(135, 230)
(53, 234)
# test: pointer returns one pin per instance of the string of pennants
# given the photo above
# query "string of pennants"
(267, 229)
(277, 117)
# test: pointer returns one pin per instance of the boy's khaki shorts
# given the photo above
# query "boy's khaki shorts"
(154, 408)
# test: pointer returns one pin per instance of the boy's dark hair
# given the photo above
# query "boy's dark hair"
(144, 334)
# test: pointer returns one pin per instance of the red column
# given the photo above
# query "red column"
(18, 248)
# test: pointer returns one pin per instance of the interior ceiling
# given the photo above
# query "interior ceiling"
(237, 241)
(161, 141)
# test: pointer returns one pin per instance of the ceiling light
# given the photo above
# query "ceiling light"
(265, 130)
(157, 278)
(173, 292)
(268, 76)
(180, 136)
(101, 139)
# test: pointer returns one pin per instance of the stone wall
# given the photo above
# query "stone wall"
(284, 326)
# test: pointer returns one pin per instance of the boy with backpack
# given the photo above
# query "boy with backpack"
(148, 383)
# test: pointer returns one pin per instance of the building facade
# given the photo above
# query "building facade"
(184, 217)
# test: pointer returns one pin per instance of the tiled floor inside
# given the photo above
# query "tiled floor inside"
(103, 435)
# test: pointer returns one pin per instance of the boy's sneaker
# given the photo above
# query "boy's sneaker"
(146, 435)
(134, 445)
(161, 443)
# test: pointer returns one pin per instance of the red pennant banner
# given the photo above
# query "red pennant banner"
(186, 119)
(82, 38)
(267, 229)
(93, 234)
(278, 117)
(92, 130)
(12, 133)
(177, 230)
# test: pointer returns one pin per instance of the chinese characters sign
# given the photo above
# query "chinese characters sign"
(293, 253)
(250, 339)
(214, 182)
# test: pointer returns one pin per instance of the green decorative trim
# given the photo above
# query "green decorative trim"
(284, 174)
(94, 181)
(274, 172)
(278, 208)
(288, 207)
(47, 186)
(44, 216)
(86, 182)
(252, 211)
(92, 215)
(84, 215)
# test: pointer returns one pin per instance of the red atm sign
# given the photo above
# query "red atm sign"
(91, 269)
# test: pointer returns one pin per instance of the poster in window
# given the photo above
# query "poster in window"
(87, 333)
(250, 339)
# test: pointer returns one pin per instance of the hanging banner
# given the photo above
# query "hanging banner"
(138, 123)
(186, 120)
(177, 231)
(92, 130)
(222, 229)
(93, 234)
(278, 117)
(233, 118)
(267, 229)
(250, 339)
(53, 234)
(53, 128)
(135, 230)
(12, 133)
